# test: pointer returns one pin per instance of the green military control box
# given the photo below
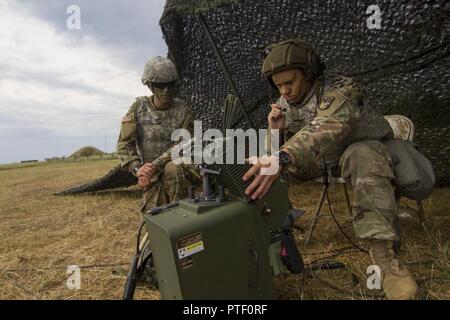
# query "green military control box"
(216, 249)
(211, 251)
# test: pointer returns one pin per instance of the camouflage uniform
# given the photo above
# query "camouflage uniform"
(145, 137)
(337, 125)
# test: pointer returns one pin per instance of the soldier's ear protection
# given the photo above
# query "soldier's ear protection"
(316, 65)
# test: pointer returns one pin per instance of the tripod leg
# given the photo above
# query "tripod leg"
(347, 199)
(316, 214)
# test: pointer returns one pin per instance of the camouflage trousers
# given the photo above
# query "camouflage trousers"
(170, 185)
(367, 167)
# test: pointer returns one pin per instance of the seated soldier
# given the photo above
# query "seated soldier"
(328, 120)
(144, 145)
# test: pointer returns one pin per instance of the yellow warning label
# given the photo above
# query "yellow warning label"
(190, 249)
(190, 245)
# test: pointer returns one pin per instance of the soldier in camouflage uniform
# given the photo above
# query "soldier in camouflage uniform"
(144, 145)
(328, 120)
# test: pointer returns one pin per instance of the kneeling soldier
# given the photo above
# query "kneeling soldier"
(144, 145)
(329, 118)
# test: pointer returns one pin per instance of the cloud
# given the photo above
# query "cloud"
(61, 84)
(129, 27)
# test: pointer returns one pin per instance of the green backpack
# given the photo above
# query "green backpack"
(414, 174)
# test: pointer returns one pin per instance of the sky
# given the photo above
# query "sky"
(62, 88)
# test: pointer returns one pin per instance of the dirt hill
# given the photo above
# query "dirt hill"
(86, 152)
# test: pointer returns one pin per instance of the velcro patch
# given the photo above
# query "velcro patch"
(330, 104)
(127, 118)
(326, 102)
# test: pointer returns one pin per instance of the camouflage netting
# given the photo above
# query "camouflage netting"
(404, 66)
(115, 178)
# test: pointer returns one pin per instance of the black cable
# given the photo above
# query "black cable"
(339, 250)
(340, 228)
(336, 255)
(139, 237)
(336, 288)
(330, 265)
(91, 266)
(325, 265)
(330, 285)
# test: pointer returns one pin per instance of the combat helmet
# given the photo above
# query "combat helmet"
(159, 70)
(292, 53)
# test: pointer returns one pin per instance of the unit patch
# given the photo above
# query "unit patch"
(326, 102)
(127, 118)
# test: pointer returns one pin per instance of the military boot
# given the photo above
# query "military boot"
(398, 283)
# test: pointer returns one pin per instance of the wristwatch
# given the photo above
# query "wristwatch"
(135, 170)
(284, 159)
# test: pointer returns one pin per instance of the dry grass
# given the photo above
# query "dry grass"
(424, 250)
(42, 234)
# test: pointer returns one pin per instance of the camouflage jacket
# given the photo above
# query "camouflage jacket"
(145, 133)
(332, 117)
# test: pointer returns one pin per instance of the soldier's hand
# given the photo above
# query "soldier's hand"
(148, 170)
(276, 117)
(265, 170)
(143, 182)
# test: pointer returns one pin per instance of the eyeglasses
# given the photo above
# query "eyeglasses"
(161, 86)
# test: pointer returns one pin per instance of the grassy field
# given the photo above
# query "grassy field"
(42, 234)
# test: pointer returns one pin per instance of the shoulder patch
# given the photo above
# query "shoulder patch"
(326, 102)
(330, 103)
(127, 118)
